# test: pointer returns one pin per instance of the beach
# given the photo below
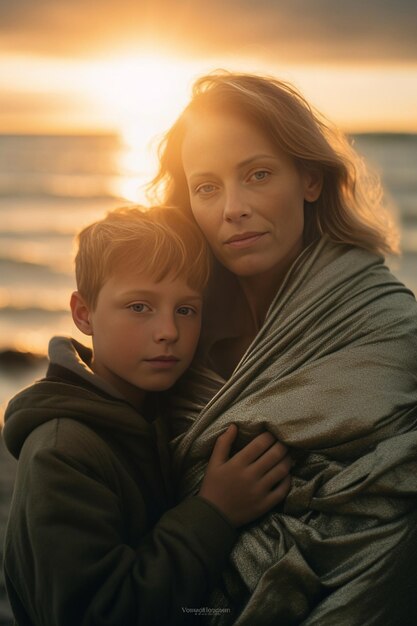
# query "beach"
(50, 187)
(7, 472)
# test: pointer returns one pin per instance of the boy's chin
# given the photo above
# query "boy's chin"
(153, 388)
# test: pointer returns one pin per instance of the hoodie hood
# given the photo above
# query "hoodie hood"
(69, 390)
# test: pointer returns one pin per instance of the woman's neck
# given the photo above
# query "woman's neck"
(259, 291)
(256, 297)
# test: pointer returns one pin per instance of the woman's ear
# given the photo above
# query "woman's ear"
(81, 313)
(312, 183)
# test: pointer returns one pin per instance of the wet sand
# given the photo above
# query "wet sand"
(7, 473)
(17, 370)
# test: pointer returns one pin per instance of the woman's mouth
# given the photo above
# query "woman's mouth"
(244, 240)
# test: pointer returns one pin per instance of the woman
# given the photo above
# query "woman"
(318, 343)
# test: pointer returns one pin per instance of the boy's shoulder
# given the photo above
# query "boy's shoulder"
(63, 414)
(68, 439)
(64, 452)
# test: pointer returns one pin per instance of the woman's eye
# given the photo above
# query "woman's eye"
(139, 307)
(185, 310)
(206, 189)
(260, 175)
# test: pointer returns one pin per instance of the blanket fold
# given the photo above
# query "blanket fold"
(333, 375)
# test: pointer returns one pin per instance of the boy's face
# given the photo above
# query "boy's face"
(144, 333)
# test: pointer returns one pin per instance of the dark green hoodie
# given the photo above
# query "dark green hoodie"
(91, 537)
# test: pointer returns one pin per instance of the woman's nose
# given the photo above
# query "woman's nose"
(166, 330)
(235, 207)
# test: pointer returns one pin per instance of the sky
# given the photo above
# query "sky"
(127, 66)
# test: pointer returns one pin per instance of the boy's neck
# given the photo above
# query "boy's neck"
(132, 394)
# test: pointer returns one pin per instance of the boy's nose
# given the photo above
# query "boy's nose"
(166, 331)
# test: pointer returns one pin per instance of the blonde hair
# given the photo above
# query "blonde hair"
(161, 241)
(350, 208)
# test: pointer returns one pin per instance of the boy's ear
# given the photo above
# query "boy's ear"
(81, 313)
(313, 183)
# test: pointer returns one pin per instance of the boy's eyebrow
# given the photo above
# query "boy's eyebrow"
(146, 293)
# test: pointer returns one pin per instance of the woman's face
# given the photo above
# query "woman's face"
(246, 195)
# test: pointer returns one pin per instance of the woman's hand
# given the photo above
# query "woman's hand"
(250, 483)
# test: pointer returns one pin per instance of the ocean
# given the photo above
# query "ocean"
(50, 186)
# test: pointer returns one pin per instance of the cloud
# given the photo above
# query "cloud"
(285, 30)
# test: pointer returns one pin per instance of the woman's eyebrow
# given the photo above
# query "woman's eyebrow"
(256, 157)
(241, 164)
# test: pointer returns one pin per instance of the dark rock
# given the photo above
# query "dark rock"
(13, 359)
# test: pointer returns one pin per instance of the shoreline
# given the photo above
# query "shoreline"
(18, 369)
(8, 467)
(19, 360)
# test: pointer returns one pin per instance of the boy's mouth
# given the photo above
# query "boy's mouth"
(163, 361)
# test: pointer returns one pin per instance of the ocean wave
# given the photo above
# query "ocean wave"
(60, 166)
(33, 311)
(7, 263)
(22, 184)
(401, 183)
(77, 154)
(407, 203)
(409, 240)
(38, 235)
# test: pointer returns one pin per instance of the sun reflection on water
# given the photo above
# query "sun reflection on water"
(143, 93)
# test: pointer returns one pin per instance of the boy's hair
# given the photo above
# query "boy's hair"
(160, 241)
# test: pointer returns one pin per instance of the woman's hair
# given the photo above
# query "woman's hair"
(160, 241)
(349, 209)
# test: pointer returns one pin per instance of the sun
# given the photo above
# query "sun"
(141, 95)
(136, 94)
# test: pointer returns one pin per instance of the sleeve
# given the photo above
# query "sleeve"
(68, 561)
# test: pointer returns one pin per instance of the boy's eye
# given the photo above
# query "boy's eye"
(139, 307)
(186, 310)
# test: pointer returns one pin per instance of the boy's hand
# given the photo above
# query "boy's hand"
(250, 483)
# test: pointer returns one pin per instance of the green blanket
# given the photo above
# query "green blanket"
(333, 375)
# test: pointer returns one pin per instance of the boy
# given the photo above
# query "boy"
(91, 539)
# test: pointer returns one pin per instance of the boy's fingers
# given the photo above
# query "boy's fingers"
(255, 448)
(223, 445)
(278, 494)
(273, 457)
(277, 473)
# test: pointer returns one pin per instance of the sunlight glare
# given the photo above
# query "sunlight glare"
(143, 94)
